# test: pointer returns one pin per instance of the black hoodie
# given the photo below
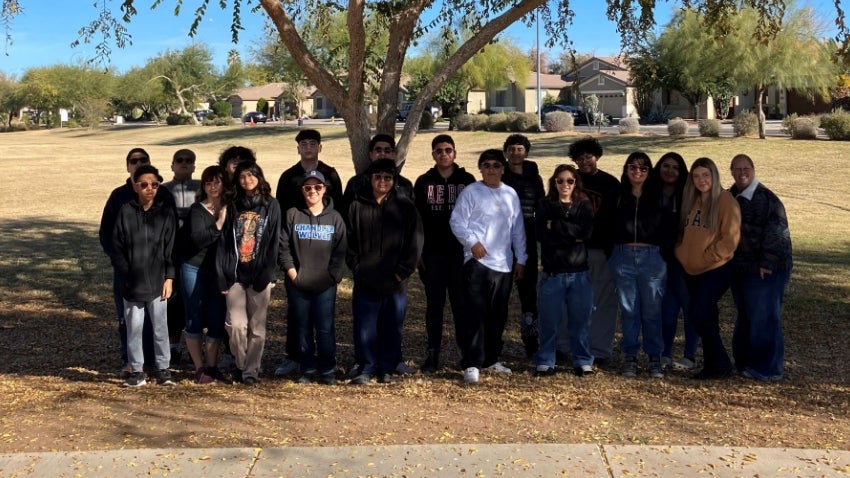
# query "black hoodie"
(384, 240)
(435, 200)
(314, 246)
(142, 245)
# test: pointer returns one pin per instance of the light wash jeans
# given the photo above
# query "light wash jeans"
(557, 292)
(640, 276)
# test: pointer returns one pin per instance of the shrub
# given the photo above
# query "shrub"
(222, 108)
(462, 122)
(677, 127)
(426, 122)
(628, 126)
(523, 122)
(836, 125)
(658, 115)
(213, 120)
(262, 105)
(480, 122)
(746, 124)
(497, 122)
(804, 128)
(175, 119)
(709, 128)
(557, 121)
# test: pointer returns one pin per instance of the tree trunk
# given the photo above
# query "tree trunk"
(760, 110)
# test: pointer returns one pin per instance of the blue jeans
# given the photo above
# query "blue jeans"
(757, 343)
(676, 298)
(134, 315)
(378, 324)
(640, 276)
(574, 292)
(313, 313)
(204, 304)
(706, 289)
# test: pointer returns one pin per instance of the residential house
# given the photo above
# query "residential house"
(516, 96)
(608, 78)
(245, 101)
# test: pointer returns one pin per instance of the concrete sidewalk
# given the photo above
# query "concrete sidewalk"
(474, 460)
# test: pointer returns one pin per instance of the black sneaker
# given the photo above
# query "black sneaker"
(655, 367)
(216, 374)
(250, 381)
(163, 377)
(135, 379)
(544, 371)
(306, 378)
(529, 334)
(327, 379)
(236, 375)
(431, 363)
(385, 378)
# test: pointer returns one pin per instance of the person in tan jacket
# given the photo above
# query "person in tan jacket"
(711, 229)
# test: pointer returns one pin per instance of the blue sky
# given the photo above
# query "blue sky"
(43, 33)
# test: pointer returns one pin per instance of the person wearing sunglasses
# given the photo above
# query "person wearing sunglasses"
(564, 223)
(312, 256)
(143, 244)
(487, 221)
(384, 243)
(640, 228)
(120, 196)
(184, 189)
(381, 146)
(441, 264)
(288, 194)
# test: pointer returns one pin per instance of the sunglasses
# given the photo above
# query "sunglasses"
(569, 181)
(440, 151)
(488, 165)
(135, 161)
(382, 177)
(383, 150)
(144, 184)
(635, 167)
(313, 187)
(184, 160)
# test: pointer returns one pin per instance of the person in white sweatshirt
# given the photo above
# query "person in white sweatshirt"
(487, 221)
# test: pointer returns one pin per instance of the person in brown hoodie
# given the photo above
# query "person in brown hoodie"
(711, 229)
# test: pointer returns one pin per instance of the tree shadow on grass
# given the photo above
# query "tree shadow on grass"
(56, 309)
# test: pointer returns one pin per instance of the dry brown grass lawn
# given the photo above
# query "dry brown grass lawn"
(58, 378)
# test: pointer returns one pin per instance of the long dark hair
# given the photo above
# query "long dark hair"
(681, 181)
(263, 195)
(578, 189)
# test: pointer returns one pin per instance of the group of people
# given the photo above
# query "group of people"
(658, 241)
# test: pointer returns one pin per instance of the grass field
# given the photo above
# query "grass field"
(58, 373)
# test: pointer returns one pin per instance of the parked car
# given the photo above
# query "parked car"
(435, 109)
(578, 114)
(201, 114)
(256, 116)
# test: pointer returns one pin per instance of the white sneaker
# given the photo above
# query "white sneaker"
(286, 367)
(684, 363)
(470, 375)
(498, 368)
(404, 369)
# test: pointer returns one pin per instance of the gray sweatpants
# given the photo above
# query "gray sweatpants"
(134, 316)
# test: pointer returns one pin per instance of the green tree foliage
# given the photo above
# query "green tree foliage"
(11, 99)
(407, 21)
(188, 76)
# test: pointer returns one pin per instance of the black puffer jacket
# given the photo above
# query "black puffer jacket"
(528, 187)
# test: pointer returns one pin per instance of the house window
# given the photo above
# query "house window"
(595, 66)
(320, 103)
(600, 81)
